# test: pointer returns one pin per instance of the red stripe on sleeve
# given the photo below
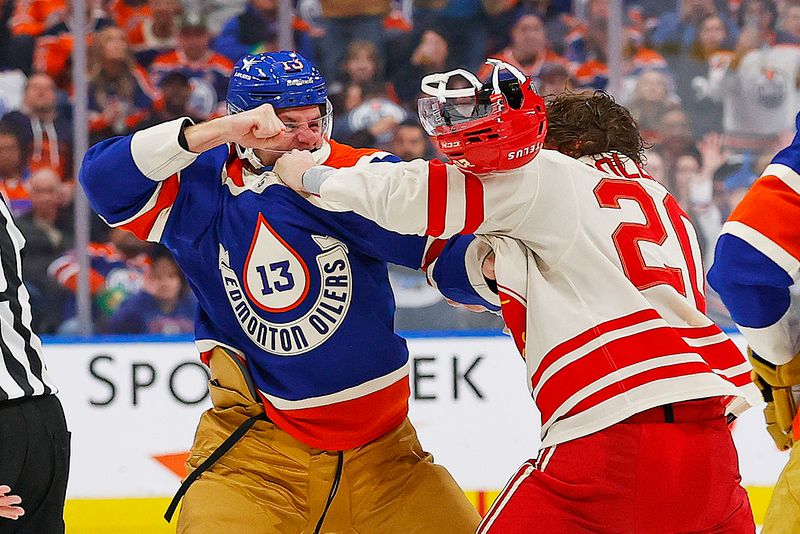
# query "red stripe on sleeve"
(437, 198)
(474, 203)
(141, 226)
(433, 252)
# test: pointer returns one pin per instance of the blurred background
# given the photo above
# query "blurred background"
(714, 85)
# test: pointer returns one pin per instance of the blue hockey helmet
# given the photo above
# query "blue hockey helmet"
(283, 79)
(286, 80)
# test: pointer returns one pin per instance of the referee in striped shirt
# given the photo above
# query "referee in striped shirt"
(34, 441)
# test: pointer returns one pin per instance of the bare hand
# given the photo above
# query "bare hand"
(290, 168)
(488, 267)
(711, 150)
(7, 502)
(471, 307)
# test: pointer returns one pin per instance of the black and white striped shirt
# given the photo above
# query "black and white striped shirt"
(22, 370)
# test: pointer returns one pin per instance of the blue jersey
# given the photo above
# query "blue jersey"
(302, 294)
(757, 259)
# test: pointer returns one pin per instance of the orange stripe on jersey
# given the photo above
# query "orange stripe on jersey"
(345, 155)
(331, 427)
(141, 226)
(234, 168)
(437, 198)
(474, 203)
(768, 208)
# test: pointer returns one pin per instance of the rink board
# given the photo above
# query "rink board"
(133, 406)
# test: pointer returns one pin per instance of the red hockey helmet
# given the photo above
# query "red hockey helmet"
(496, 126)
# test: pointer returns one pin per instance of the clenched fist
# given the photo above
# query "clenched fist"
(251, 129)
(290, 168)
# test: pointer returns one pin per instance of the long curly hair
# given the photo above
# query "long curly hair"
(581, 124)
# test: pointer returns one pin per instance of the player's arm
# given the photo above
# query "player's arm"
(453, 266)
(135, 182)
(757, 260)
(458, 272)
(416, 197)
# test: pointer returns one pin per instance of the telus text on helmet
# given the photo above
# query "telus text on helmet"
(524, 151)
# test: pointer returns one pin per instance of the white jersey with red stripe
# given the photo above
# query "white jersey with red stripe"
(598, 270)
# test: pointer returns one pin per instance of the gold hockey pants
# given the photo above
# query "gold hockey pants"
(271, 482)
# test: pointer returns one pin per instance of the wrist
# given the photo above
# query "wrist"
(206, 135)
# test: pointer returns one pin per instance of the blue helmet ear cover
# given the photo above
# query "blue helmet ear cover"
(284, 79)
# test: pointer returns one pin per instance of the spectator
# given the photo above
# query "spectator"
(655, 166)
(465, 27)
(692, 70)
(256, 30)
(636, 59)
(127, 14)
(677, 29)
(528, 50)
(411, 142)
(575, 41)
(53, 53)
(758, 90)
(164, 305)
(120, 94)
(345, 22)
(789, 29)
(45, 241)
(156, 34)
(418, 55)
(674, 140)
(652, 97)
(116, 271)
(176, 92)
(761, 16)
(35, 17)
(554, 78)
(362, 80)
(373, 121)
(45, 133)
(14, 174)
(252, 31)
(208, 71)
(362, 63)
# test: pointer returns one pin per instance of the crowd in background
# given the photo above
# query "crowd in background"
(714, 85)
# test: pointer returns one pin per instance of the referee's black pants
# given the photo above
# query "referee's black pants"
(34, 461)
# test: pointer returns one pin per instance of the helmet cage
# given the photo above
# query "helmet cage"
(498, 125)
(322, 126)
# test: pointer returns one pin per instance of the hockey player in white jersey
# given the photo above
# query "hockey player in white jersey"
(599, 279)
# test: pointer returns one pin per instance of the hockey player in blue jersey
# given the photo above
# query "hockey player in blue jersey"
(295, 316)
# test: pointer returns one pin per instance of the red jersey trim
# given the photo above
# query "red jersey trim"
(437, 198)
(345, 425)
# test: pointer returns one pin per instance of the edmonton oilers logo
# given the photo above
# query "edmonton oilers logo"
(771, 88)
(276, 279)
